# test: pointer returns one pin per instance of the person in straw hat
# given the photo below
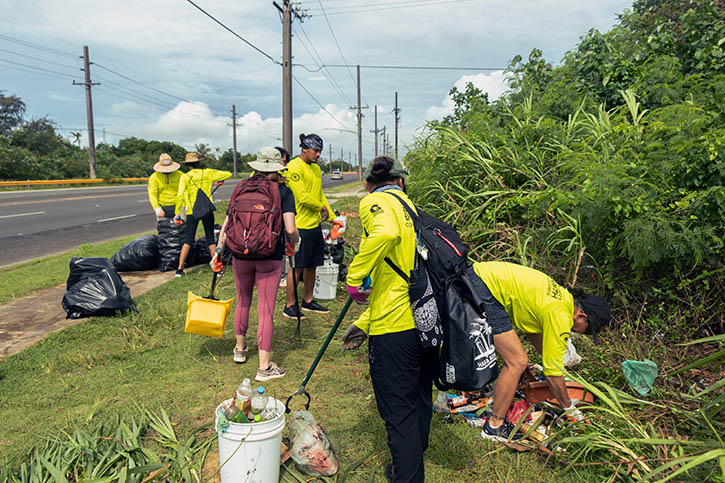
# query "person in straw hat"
(190, 185)
(266, 271)
(164, 187)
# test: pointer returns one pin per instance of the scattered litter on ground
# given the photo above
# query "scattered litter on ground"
(640, 375)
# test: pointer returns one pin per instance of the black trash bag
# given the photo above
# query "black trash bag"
(139, 254)
(342, 273)
(337, 251)
(94, 288)
(169, 242)
(199, 253)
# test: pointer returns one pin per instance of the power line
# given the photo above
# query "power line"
(19, 69)
(347, 9)
(38, 68)
(329, 25)
(234, 33)
(320, 63)
(401, 67)
(38, 58)
(139, 82)
(25, 43)
(318, 103)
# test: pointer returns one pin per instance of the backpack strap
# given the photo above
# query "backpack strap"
(412, 214)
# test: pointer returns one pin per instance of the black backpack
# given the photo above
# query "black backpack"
(446, 308)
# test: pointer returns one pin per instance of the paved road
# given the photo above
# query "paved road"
(39, 223)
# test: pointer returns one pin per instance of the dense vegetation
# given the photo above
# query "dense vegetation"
(608, 172)
(34, 149)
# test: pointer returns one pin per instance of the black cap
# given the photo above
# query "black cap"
(598, 312)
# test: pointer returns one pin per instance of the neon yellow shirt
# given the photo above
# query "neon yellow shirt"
(197, 179)
(387, 232)
(536, 305)
(305, 181)
(164, 188)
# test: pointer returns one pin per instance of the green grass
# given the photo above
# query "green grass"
(25, 278)
(355, 185)
(103, 367)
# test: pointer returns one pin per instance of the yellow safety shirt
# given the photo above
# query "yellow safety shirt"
(164, 188)
(387, 232)
(197, 179)
(536, 304)
(305, 181)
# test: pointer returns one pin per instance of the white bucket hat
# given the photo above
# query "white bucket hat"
(268, 160)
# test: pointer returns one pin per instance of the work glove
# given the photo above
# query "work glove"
(292, 248)
(216, 263)
(159, 212)
(338, 227)
(360, 294)
(573, 414)
(178, 221)
(218, 183)
(352, 338)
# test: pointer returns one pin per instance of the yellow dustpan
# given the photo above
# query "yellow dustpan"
(207, 315)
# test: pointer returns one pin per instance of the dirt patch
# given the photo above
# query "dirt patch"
(25, 321)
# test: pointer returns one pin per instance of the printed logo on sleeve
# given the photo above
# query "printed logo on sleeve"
(564, 336)
(553, 289)
(294, 177)
(375, 209)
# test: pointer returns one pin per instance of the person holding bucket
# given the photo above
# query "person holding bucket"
(195, 204)
(401, 369)
(163, 187)
(254, 209)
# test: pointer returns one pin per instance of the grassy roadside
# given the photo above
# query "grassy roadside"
(104, 367)
(25, 278)
(355, 185)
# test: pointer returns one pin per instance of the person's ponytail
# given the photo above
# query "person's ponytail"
(380, 171)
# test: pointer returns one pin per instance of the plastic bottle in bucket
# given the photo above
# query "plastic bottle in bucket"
(244, 394)
(259, 401)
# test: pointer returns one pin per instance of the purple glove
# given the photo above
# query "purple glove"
(360, 294)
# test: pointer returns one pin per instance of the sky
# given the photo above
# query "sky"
(169, 72)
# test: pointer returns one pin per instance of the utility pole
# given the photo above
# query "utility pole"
(359, 126)
(382, 134)
(89, 111)
(234, 137)
(342, 160)
(330, 146)
(289, 12)
(397, 119)
(375, 131)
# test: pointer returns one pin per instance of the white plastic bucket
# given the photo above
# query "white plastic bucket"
(251, 452)
(326, 281)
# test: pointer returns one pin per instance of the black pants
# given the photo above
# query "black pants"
(402, 375)
(192, 222)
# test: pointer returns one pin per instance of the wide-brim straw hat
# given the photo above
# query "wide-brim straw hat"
(191, 158)
(166, 165)
(268, 160)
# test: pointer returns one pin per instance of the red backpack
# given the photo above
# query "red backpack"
(255, 218)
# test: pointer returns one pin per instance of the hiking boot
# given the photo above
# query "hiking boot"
(240, 355)
(179, 273)
(500, 434)
(313, 306)
(291, 313)
(272, 372)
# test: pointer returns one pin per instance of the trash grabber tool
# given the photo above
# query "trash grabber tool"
(297, 335)
(330, 335)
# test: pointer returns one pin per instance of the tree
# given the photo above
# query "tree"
(12, 110)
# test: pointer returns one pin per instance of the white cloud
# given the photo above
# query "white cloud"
(62, 98)
(127, 107)
(494, 84)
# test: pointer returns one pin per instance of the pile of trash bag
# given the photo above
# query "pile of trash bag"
(94, 288)
(139, 254)
(199, 253)
(169, 242)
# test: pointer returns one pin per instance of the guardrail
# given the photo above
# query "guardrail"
(32, 182)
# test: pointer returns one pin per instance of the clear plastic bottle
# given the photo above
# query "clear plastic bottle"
(244, 394)
(259, 401)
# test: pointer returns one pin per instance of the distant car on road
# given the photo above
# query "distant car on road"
(336, 174)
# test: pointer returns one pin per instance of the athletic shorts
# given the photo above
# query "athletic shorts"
(312, 249)
(496, 315)
(192, 222)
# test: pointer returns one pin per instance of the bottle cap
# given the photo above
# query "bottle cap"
(257, 418)
(260, 389)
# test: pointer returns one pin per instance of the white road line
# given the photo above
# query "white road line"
(23, 214)
(116, 218)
